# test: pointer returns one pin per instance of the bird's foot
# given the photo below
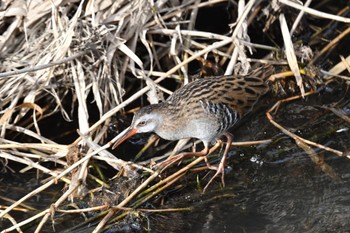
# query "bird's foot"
(169, 161)
(219, 169)
(176, 158)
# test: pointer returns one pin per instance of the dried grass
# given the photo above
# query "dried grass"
(60, 55)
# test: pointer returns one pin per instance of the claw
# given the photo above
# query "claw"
(221, 167)
(175, 158)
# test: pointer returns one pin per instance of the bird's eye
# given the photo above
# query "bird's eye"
(142, 123)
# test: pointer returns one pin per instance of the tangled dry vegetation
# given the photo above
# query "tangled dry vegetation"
(84, 62)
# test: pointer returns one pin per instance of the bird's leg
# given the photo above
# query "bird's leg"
(221, 167)
(175, 158)
(212, 149)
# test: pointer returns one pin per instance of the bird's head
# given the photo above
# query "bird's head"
(145, 120)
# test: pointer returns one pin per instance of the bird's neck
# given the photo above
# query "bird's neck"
(169, 126)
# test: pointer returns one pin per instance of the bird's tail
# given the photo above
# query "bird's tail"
(263, 72)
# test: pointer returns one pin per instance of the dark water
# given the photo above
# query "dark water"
(292, 196)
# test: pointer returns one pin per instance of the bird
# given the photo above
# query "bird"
(204, 109)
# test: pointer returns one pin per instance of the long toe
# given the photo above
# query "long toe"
(169, 161)
(219, 169)
(175, 158)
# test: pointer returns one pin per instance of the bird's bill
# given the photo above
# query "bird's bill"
(129, 132)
